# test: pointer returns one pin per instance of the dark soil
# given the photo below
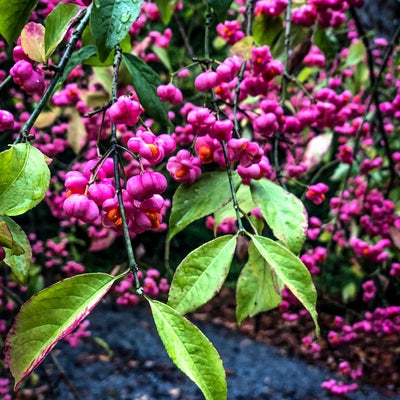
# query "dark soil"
(263, 359)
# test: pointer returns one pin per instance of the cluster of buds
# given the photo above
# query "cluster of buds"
(30, 80)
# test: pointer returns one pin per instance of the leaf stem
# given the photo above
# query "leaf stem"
(24, 133)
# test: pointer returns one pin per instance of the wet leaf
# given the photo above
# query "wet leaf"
(190, 351)
(285, 213)
(24, 179)
(110, 21)
(201, 274)
(48, 317)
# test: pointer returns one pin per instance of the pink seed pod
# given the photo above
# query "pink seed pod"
(222, 130)
(125, 111)
(2, 253)
(6, 120)
(34, 84)
(79, 206)
(21, 71)
(75, 182)
(143, 186)
(101, 191)
(206, 80)
(170, 93)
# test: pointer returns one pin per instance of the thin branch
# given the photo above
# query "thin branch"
(24, 133)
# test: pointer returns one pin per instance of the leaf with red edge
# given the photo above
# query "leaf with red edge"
(48, 317)
(32, 41)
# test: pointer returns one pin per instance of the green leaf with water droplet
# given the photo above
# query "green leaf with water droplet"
(48, 317)
(257, 288)
(19, 254)
(14, 14)
(284, 212)
(145, 82)
(201, 274)
(24, 179)
(291, 272)
(190, 351)
(110, 21)
(57, 24)
(202, 198)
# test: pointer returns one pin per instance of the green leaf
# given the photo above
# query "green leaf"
(190, 351)
(7, 240)
(298, 34)
(285, 213)
(94, 60)
(162, 54)
(24, 179)
(291, 272)
(220, 8)
(14, 14)
(145, 81)
(19, 255)
(355, 55)
(326, 42)
(78, 57)
(204, 197)
(257, 288)
(48, 317)
(110, 21)
(57, 24)
(201, 274)
(166, 9)
(266, 29)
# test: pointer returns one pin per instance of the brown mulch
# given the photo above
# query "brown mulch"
(379, 356)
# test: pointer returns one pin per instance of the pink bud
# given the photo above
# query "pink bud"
(125, 111)
(222, 130)
(206, 80)
(79, 206)
(143, 186)
(6, 120)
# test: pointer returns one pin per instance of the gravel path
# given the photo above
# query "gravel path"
(141, 370)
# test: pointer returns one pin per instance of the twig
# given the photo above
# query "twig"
(133, 267)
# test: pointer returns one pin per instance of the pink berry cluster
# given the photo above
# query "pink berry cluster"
(91, 194)
(28, 78)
